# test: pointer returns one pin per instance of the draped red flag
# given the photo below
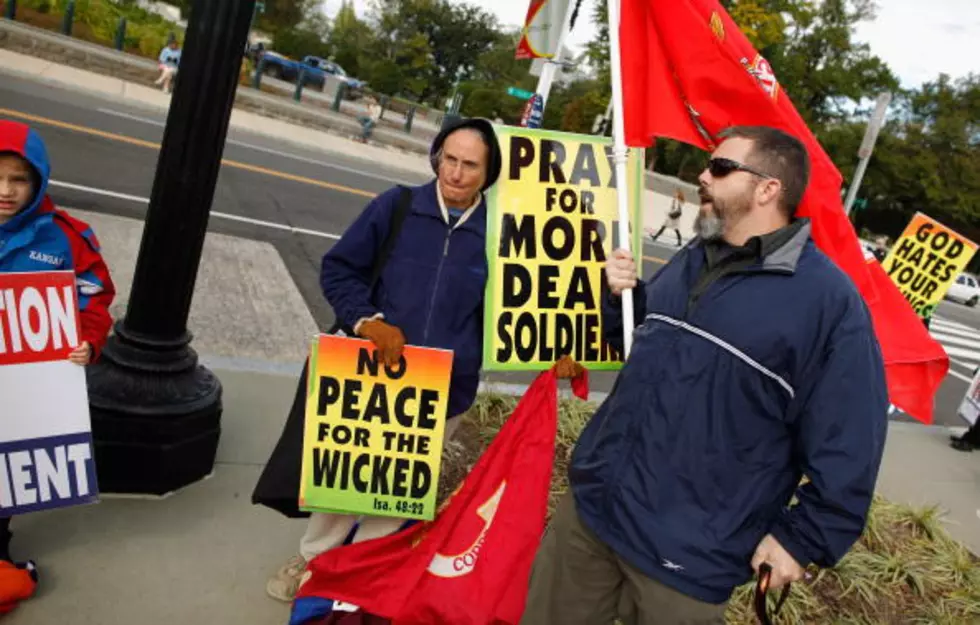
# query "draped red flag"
(470, 566)
(689, 73)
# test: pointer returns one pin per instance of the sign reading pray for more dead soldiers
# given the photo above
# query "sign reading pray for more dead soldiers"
(552, 222)
(925, 261)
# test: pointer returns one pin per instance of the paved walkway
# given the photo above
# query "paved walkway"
(203, 554)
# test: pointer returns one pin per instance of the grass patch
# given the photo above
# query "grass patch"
(905, 568)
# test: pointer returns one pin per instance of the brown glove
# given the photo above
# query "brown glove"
(387, 338)
(566, 368)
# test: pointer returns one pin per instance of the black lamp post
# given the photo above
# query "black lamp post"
(156, 413)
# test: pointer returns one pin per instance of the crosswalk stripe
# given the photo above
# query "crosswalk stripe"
(953, 331)
(944, 338)
(943, 321)
(970, 356)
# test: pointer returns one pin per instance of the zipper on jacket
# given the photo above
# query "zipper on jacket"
(435, 287)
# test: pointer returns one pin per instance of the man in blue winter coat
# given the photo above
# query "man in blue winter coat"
(753, 363)
(429, 293)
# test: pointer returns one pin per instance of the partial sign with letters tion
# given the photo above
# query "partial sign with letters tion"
(46, 456)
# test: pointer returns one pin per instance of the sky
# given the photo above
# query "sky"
(918, 39)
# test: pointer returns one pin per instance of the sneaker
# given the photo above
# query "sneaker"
(283, 585)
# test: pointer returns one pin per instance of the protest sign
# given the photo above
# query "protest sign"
(46, 457)
(552, 221)
(373, 438)
(925, 261)
(970, 406)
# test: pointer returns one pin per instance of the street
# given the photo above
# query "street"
(299, 200)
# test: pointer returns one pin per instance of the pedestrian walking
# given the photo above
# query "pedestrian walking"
(673, 217)
(429, 293)
(754, 362)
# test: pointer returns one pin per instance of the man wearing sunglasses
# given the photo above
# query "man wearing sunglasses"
(754, 363)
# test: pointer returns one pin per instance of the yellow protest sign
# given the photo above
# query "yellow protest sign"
(925, 261)
(552, 221)
(373, 437)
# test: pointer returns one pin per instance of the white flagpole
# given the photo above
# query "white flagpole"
(619, 159)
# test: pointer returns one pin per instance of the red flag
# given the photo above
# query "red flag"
(470, 566)
(689, 73)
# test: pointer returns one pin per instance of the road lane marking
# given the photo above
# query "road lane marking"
(259, 148)
(655, 260)
(956, 374)
(219, 215)
(149, 144)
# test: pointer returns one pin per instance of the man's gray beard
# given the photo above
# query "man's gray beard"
(709, 225)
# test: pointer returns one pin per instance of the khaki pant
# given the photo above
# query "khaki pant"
(328, 531)
(578, 580)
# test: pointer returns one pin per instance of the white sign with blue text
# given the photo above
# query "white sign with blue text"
(46, 452)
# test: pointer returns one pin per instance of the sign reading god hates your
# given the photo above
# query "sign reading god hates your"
(46, 456)
(925, 261)
(373, 436)
(552, 221)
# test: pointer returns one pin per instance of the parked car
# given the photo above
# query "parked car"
(314, 70)
(966, 290)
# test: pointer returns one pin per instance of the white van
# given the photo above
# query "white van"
(966, 290)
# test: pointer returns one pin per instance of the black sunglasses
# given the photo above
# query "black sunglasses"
(721, 167)
(761, 590)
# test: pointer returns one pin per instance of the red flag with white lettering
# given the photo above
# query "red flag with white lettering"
(689, 73)
(470, 566)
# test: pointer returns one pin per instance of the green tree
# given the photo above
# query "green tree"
(597, 50)
(348, 39)
(283, 15)
(927, 159)
(817, 60)
(431, 41)
(579, 115)
(309, 37)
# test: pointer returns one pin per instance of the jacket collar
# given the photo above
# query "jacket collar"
(778, 251)
(428, 202)
(785, 255)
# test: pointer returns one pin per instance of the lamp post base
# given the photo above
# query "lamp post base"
(156, 415)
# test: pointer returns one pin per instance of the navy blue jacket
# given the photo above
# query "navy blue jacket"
(696, 454)
(432, 285)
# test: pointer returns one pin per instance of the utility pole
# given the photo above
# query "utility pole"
(156, 413)
(867, 147)
(552, 65)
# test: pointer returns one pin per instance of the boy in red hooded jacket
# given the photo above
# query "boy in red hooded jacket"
(36, 236)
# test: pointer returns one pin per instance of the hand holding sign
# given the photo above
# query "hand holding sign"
(620, 272)
(81, 355)
(373, 436)
(387, 338)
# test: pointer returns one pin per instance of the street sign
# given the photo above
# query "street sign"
(519, 93)
(533, 112)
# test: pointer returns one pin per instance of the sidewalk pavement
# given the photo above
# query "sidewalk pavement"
(203, 554)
